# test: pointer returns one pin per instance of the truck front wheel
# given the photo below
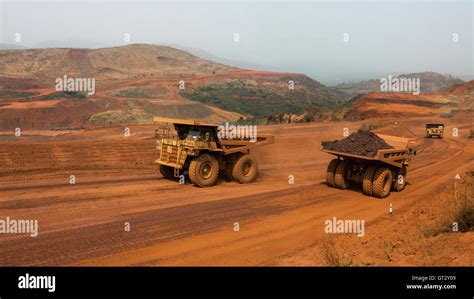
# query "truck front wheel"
(204, 170)
(382, 182)
(167, 172)
(245, 169)
(399, 182)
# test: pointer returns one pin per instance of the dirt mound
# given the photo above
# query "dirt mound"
(361, 143)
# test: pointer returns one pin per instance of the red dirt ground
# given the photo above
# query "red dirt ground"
(172, 224)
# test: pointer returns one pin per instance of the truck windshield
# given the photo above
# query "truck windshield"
(194, 134)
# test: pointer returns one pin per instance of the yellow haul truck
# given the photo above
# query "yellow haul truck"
(196, 148)
(434, 130)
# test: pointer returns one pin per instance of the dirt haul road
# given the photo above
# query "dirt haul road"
(117, 187)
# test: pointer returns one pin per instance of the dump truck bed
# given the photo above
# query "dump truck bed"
(400, 152)
(227, 146)
(230, 146)
(434, 125)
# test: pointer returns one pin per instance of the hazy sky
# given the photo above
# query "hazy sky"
(307, 37)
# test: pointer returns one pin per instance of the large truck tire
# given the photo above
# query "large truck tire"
(229, 166)
(367, 180)
(382, 182)
(330, 172)
(204, 170)
(340, 175)
(399, 182)
(167, 171)
(245, 169)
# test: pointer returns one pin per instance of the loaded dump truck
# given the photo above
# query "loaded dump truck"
(196, 148)
(434, 130)
(378, 170)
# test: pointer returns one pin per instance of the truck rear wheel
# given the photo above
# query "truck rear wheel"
(382, 182)
(204, 170)
(330, 172)
(399, 182)
(228, 171)
(367, 180)
(167, 172)
(340, 175)
(245, 169)
(230, 163)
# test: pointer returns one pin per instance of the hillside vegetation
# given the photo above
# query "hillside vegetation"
(266, 96)
(136, 82)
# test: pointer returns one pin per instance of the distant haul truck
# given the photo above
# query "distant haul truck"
(196, 148)
(434, 130)
(384, 172)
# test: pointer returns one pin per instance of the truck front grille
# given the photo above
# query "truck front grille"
(169, 153)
